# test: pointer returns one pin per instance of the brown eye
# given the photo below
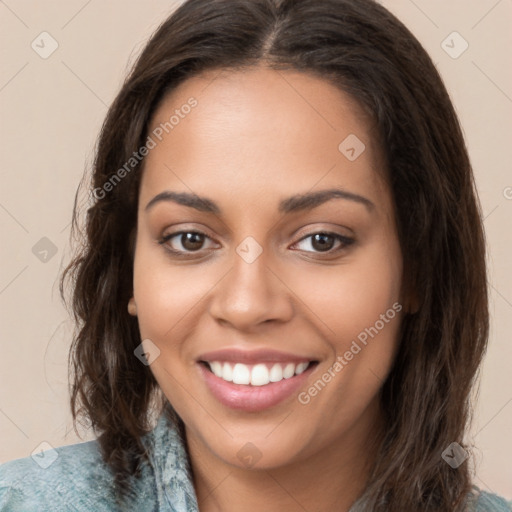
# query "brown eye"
(192, 241)
(184, 241)
(323, 242)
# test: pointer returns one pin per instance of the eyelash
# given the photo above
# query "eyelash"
(345, 241)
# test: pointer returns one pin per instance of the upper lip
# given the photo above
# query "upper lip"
(253, 356)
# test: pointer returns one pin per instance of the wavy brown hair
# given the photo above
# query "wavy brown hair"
(368, 53)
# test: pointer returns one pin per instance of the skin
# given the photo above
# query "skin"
(257, 137)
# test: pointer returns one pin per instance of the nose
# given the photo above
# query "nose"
(251, 294)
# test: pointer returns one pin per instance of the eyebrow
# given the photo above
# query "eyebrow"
(298, 202)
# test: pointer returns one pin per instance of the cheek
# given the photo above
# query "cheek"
(352, 296)
(164, 294)
(360, 309)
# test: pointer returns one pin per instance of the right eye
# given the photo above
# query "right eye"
(188, 242)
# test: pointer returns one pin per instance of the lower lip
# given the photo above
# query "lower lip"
(252, 398)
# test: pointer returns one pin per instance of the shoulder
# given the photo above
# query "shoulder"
(483, 501)
(75, 477)
(72, 477)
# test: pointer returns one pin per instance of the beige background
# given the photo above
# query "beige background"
(51, 110)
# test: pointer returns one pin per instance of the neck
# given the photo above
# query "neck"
(332, 479)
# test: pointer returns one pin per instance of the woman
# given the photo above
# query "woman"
(285, 264)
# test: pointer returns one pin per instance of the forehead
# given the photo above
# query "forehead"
(257, 132)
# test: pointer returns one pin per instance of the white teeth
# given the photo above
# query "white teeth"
(257, 375)
(289, 370)
(300, 368)
(241, 374)
(276, 373)
(216, 368)
(227, 372)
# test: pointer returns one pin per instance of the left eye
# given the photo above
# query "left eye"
(324, 241)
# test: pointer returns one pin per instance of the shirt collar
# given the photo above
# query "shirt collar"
(169, 459)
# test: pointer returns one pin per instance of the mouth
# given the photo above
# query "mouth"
(257, 385)
(260, 374)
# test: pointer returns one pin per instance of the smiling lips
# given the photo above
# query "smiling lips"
(253, 380)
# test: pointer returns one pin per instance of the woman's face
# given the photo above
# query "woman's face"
(289, 290)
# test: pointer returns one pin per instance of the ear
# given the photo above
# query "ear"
(132, 307)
